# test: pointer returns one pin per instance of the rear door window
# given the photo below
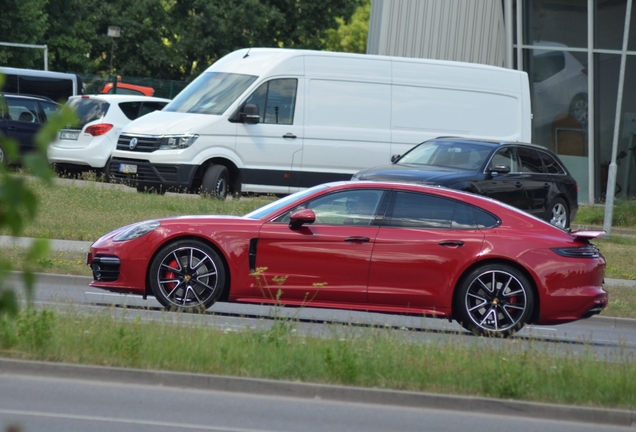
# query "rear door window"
(551, 164)
(418, 210)
(530, 160)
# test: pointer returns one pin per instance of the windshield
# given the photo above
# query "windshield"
(88, 110)
(277, 205)
(211, 93)
(462, 155)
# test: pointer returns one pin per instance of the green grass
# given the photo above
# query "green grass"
(370, 358)
(86, 213)
(623, 215)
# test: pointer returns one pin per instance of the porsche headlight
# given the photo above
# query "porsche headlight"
(176, 142)
(137, 230)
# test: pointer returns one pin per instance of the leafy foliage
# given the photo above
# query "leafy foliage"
(18, 202)
(163, 39)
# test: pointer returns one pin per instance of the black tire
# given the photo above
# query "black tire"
(4, 159)
(187, 275)
(494, 300)
(558, 213)
(216, 182)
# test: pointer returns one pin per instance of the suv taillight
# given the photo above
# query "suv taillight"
(98, 129)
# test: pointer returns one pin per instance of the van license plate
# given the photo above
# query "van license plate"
(128, 169)
(69, 135)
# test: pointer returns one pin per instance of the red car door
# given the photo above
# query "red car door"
(421, 249)
(327, 261)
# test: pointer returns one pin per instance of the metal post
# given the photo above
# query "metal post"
(591, 154)
(519, 36)
(508, 28)
(611, 175)
(112, 49)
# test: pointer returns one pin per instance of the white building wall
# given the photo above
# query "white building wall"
(463, 30)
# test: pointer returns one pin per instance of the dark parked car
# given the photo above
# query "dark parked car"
(21, 117)
(526, 176)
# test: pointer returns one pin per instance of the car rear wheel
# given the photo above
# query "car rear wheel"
(558, 213)
(494, 300)
(3, 157)
(187, 275)
(215, 182)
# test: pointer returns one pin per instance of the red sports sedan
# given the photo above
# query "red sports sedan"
(384, 247)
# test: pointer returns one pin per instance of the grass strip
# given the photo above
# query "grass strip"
(377, 358)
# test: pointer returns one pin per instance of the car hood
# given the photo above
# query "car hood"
(168, 122)
(424, 174)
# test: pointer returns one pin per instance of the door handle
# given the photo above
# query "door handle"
(518, 184)
(358, 239)
(451, 243)
(289, 135)
(546, 185)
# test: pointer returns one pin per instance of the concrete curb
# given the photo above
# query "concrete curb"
(321, 391)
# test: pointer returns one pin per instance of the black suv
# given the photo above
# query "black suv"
(21, 117)
(527, 176)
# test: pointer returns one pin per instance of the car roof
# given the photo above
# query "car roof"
(27, 96)
(487, 142)
(115, 98)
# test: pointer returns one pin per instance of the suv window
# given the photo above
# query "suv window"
(530, 160)
(276, 100)
(551, 165)
(23, 110)
(505, 156)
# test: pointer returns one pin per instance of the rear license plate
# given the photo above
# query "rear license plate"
(128, 169)
(69, 135)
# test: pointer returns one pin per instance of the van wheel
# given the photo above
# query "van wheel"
(215, 182)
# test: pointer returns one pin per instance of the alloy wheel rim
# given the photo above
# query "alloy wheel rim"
(496, 301)
(187, 277)
(558, 216)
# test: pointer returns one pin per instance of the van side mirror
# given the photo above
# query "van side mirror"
(250, 114)
(301, 217)
(499, 169)
(395, 158)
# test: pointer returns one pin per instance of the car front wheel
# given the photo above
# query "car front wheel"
(187, 275)
(494, 300)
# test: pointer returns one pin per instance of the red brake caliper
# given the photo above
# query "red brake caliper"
(170, 275)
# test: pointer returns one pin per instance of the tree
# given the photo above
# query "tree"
(70, 34)
(352, 36)
(22, 21)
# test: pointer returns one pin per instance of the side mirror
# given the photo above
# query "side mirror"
(500, 169)
(395, 158)
(301, 217)
(250, 114)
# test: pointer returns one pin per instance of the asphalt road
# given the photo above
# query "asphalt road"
(45, 396)
(62, 404)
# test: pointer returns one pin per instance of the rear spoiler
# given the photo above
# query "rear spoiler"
(584, 234)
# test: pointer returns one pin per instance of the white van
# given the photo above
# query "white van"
(279, 120)
(54, 85)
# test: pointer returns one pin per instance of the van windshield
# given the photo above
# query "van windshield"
(211, 93)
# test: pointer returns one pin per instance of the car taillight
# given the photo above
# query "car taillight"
(98, 129)
(589, 251)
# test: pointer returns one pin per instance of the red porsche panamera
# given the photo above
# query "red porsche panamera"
(384, 247)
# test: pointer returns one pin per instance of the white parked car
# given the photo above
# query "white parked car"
(101, 119)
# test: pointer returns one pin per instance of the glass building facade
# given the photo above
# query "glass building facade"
(571, 50)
